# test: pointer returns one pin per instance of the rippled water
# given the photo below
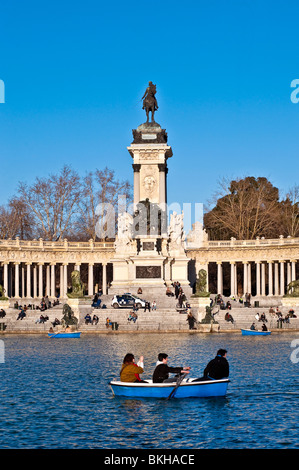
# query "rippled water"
(55, 394)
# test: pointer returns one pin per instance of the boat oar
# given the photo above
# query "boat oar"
(178, 383)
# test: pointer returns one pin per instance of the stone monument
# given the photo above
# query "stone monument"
(148, 252)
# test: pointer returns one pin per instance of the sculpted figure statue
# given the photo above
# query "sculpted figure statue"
(123, 240)
(201, 281)
(77, 286)
(149, 101)
(68, 316)
(176, 227)
(293, 288)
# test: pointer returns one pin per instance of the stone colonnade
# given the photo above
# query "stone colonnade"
(265, 278)
(36, 280)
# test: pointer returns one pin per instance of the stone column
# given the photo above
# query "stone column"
(162, 183)
(258, 278)
(35, 281)
(61, 281)
(245, 277)
(288, 272)
(293, 270)
(136, 168)
(282, 289)
(5, 278)
(263, 279)
(232, 278)
(270, 278)
(48, 282)
(52, 290)
(249, 278)
(276, 279)
(23, 281)
(104, 278)
(236, 278)
(17, 280)
(28, 281)
(90, 279)
(40, 280)
(65, 265)
(219, 278)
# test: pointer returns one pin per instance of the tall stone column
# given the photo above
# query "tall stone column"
(263, 266)
(245, 277)
(40, 280)
(35, 281)
(258, 277)
(48, 281)
(232, 278)
(162, 182)
(104, 278)
(65, 265)
(219, 278)
(270, 278)
(249, 278)
(289, 276)
(5, 278)
(52, 290)
(23, 281)
(90, 279)
(236, 278)
(293, 270)
(28, 281)
(136, 169)
(61, 281)
(276, 279)
(282, 289)
(17, 280)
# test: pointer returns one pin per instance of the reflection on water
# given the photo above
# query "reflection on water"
(55, 394)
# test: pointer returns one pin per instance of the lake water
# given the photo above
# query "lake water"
(55, 394)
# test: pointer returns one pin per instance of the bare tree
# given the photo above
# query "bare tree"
(99, 204)
(52, 202)
(289, 219)
(15, 220)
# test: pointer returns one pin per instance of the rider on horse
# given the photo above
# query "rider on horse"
(149, 100)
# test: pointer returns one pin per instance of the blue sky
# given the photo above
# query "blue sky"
(75, 72)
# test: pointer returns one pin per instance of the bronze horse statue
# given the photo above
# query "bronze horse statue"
(149, 101)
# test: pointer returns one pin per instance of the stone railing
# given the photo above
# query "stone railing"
(252, 243)
(57, 245)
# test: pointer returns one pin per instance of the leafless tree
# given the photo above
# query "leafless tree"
(53, 202)
(98, 206)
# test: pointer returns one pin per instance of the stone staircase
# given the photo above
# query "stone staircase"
(244, 317)
(165, 318)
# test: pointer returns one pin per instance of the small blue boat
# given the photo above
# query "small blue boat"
(75, 334)
(255, 332)
(187, 389)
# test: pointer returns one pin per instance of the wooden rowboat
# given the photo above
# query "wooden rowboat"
(247, 332)
(75, 334)
(187, 389)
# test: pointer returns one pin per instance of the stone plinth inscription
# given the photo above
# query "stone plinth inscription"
(148, 272)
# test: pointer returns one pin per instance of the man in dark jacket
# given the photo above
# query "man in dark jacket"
(217, 368)
(162, 370)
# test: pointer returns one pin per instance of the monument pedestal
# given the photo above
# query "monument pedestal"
(82, 305)
(290, 302)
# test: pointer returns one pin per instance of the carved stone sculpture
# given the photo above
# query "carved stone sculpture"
(77, 286)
